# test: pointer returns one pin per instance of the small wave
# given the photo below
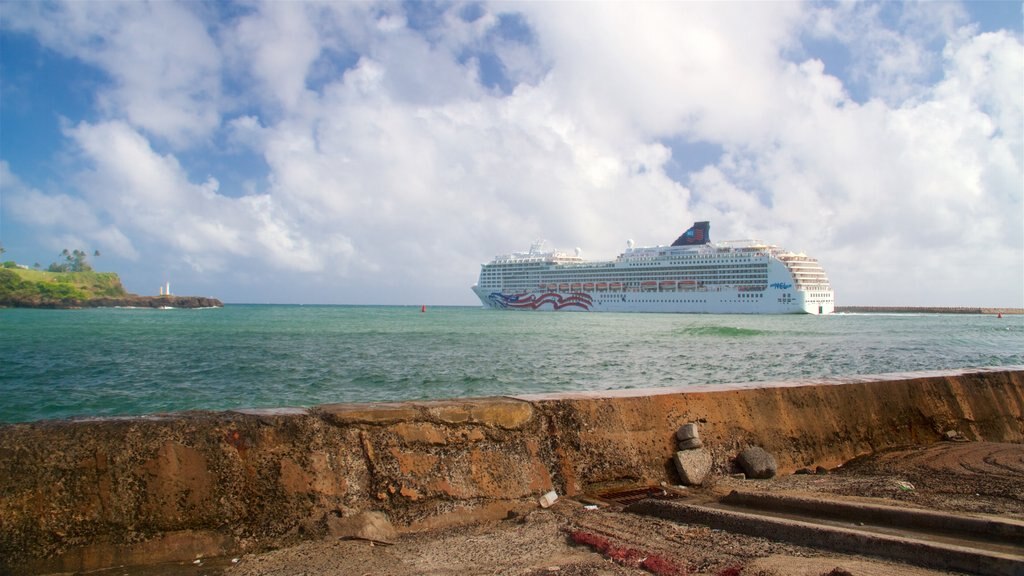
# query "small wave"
(720, 331)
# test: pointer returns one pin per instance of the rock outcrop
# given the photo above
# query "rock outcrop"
(134, 301)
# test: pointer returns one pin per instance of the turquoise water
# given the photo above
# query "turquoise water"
(105, 362)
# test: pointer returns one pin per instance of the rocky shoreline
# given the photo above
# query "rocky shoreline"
(126, 301)
(134, 301)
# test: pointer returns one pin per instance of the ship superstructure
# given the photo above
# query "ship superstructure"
(692, 275)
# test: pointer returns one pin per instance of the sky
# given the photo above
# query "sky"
(379, 153)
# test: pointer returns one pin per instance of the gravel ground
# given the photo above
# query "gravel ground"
(570, 540)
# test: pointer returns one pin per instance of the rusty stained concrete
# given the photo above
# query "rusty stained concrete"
(79, 495)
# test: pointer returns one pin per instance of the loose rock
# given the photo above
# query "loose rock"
(691, 444)
(757, 463)
(687, 432)
(693, 466)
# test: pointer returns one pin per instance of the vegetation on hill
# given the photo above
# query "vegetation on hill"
(74, 261)
(37, 288)
(72, 283)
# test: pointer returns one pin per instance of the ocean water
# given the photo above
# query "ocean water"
(109, 362)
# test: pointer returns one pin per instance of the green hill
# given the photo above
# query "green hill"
(21, 288)
(36, 288)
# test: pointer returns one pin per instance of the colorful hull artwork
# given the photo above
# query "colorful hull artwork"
(536, 301)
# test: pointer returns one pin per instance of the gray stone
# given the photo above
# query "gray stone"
(373, 526)
(756, 463)
(954, 436)
(687, 432)
(693, 466)
(690, 444)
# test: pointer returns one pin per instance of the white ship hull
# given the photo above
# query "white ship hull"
(717, 302)
(691, 276)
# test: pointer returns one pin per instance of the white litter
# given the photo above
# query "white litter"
(548, 499)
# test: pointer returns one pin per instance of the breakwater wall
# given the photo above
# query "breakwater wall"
(79, 495)
(924, 310)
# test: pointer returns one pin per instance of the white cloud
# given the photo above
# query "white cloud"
(164, 67)
(78, 222)
(392, 168)
(151, 196)
(894, 199)
(891, 54)
(277, 44)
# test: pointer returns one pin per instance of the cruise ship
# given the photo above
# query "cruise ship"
(693, 275)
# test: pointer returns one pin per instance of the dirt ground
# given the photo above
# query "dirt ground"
(567, 539)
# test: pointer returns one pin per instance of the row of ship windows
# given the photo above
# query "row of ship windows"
(677, 301)
(724, 278)
(647, 261)
(576, 269)
(724, 281)
(637, 285)
(627, 287)
(705, 288)
(658, 271)
(635, 274)
(633, 262)
(633, 277)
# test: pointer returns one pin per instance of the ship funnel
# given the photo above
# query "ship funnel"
(699, 233)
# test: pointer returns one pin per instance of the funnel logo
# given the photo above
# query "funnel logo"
(697, 234)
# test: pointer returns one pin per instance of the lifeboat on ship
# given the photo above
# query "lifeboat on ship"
(576, 287)
(588, 286)
(648, 285)
(667, 285)
(615, 286)
(563, 287)
(602, 286)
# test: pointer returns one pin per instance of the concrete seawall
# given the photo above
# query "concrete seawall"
(925, 310)
(79, 495)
